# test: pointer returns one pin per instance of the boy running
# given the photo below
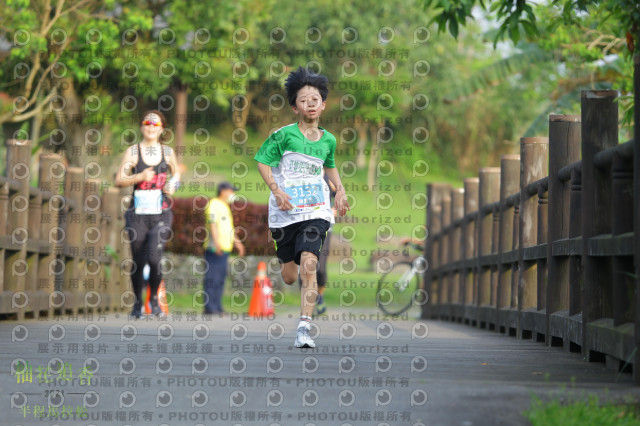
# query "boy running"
(291, 161)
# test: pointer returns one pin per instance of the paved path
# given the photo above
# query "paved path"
(367, 370)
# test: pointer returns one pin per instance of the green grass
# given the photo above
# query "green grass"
(582, 413)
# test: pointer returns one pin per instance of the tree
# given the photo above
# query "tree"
(89, 67)
(581, 34)
(61, 52)
(518, 16)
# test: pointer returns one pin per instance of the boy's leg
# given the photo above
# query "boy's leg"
(289, 272)
(321, 308)
(308, 295)
(309, 288)
(284, 239)
(300, 244)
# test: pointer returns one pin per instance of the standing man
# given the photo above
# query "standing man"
(221, 239)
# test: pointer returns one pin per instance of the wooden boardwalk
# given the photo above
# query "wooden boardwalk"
(367, 370)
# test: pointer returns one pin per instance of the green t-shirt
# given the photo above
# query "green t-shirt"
(296, 164)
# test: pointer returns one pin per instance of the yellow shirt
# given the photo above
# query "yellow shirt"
(219, 213)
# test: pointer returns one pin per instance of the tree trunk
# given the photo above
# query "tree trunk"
(74, 145)
(180, 124)
(36, 125)
(362, 145)
(373, 157)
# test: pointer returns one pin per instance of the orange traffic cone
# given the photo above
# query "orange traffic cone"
(262, 297)
(162, 300)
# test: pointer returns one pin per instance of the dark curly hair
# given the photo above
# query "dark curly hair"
(302, 77)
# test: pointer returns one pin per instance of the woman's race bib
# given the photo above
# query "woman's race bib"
(307, 194)
(147, 201)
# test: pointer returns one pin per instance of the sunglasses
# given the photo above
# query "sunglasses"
(152, 123)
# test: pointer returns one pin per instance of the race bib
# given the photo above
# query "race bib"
(147, 201)
(307, 194)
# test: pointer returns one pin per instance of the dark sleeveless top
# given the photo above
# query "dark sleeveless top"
(158, 181)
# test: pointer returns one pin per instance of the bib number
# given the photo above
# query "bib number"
(147, 201)
(306, 195)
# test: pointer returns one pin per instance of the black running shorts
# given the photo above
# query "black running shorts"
(293, 239)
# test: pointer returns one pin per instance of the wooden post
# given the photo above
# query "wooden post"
(599, 132)
(515, 273)
(427, 307)
(444, 296)
(564, 149)
(534, 158)
(91, 270)
(111, 234)
(435, 193)
(495, 237)
(457, 213)
(74, 193)
(18, 160)
(622, 223)
(575, 231)
(4, 219)
(440, 192)
(52, 170)
(123, 251)
(509, 185)
(543, 227)
(489, 192)
(471, 188)
(33, 251)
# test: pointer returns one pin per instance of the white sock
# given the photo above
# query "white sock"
(304, 322)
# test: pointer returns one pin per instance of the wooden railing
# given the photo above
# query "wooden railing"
(543, 246)
(60, 245)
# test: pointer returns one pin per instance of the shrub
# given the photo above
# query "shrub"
(250, 220)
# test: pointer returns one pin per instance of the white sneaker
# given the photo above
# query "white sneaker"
(303, 340)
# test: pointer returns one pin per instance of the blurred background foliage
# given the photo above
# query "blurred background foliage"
(408, 103)
(76, 75)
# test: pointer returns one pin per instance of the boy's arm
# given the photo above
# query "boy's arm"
(281, 197)
(341, 203)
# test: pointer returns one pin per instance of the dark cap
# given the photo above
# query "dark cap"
(226, 185)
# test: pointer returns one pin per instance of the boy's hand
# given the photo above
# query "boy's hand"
(341, 203)
(282, 198)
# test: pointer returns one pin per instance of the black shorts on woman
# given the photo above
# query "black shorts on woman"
(292, 240)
